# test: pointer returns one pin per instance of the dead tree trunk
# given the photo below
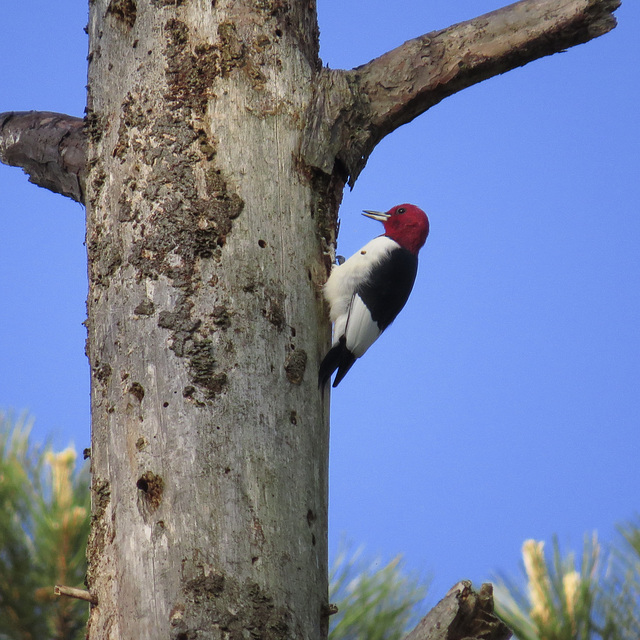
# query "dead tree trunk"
(205, 239)
(212, 163)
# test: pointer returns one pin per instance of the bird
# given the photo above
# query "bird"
(366, 292)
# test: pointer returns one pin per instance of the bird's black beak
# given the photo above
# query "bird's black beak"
(376, 215)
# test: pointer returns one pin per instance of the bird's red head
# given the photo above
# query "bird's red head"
(407, 224)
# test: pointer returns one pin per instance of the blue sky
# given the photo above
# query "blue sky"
(504, 402)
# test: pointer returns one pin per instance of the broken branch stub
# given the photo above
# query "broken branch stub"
(463, 614)
(50, 147)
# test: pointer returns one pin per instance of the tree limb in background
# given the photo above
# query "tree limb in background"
(50, 147)
(463, 614)
(355, 109)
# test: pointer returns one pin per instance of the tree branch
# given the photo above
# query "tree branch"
(50, 147)
(462, 614)
(72, 592)
(355, 109)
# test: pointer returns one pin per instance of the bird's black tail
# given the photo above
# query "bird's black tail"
(338, 357)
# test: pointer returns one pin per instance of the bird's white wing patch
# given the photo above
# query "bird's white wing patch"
(340, 326)
(349, 314)
(360, 331)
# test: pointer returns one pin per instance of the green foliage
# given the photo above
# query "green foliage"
(619, 600)
(44, 525)
(375, 601)
(601, 601)
(559, 600)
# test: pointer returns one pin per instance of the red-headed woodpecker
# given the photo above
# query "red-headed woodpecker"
(368, 291)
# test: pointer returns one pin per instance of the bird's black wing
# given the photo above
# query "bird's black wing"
(387, 289)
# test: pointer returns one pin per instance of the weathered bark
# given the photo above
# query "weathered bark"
(462, 614)
(205, 236)
(215, 151)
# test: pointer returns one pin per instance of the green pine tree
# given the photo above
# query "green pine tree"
(376, 601)
(599, 600)
(559, 599)
(619, 597)
(44, 525)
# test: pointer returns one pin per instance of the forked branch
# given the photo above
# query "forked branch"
(355, 109)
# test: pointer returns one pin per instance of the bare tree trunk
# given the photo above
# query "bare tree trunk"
(205, 323)
(212, 163)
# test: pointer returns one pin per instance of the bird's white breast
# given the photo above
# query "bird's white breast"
(344, 278)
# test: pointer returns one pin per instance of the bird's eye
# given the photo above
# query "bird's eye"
(401, 210)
